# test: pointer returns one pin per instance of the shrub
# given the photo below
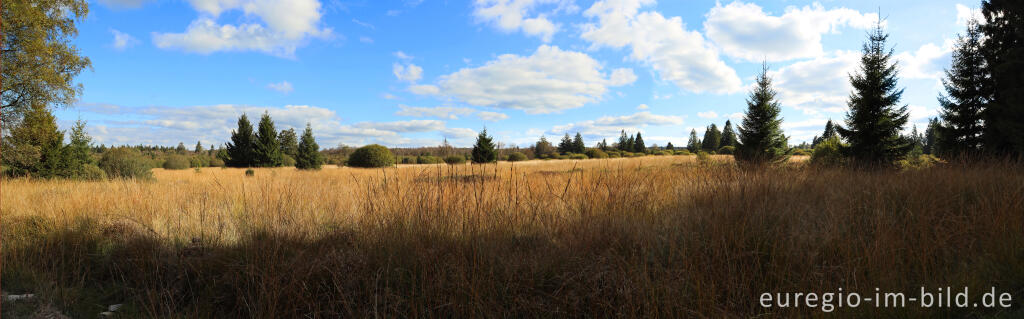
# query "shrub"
(125, 163)
(596, 153)
(199, 161)
(427, 159)
(918, 161)
(216, 162)
(408, 160)
(703, 158)
(828, 153)
(614, 155)
(563, 156)
(176, 162)
(455, 159)
(287, 160)
(578, 156)
(516, 157)
(799, 152)
(372, 155)
(685, 152)
(727, 150)
(250, 172)
(90, 172)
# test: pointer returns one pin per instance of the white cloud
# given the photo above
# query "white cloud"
(642, 107)
(122, 40)
(514, 15)
(817, 85)
(610, 126)
(364, 24)
(402, 56)
(124, 3)
(366, 39)
(707, 115)
(965, 13)
(927, 62)
(736, 116)
(285, 26)
(550, 80)
(745, 31)
(408, 73)
(680, 56)
(444, 112)
(491, 116)
(283, 87)
(425, 89)
(403, 126)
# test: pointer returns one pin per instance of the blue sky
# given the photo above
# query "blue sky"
(410, 73)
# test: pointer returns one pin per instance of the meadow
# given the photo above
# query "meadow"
(656, 236)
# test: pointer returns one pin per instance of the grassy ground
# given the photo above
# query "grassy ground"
(658, 236)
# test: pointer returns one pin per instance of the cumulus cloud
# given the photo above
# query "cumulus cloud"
(965, 13)
(285, 26)
(444, 112)
(818, 85)
(745, 31)
(122, 40)
(124, 3)
(491, 116)
(680, 56)
(927, 62)
(515, 15)
(707, 115)
(550, 80)
(610, 126)
(425, 89)
(283, 87)
(408, 73)
(642, 107)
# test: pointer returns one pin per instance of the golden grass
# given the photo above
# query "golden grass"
(660, 236)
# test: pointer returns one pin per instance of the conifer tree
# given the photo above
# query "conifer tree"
(933, 139)
(694, 144)
(760, 137)
(712, 139)
(1003, 49)
(874, 121)
(483, 150)
(624, 144)
(603, 145)
(181, 148)
(638, 144)
(289, 142)
(565, 146)
(240, 149)
(35, 147)
(830, 130)
(79, 149)
(669, 146)
(266, 149)
(543, 147)
(577, 144)
(630, 143)
(968, 89)
(728, 135)
(199, 147)
(307, 154)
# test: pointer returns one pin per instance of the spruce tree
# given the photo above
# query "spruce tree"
(967, 92)
(760, 137)
(630, 142)
(712, 139)
(728, 135)
(240, 149)
(79, 149)
(266, 149)
(577, 144)
(181, 148)
(199, 147)
(874, 121)
(694, 144)
(565, 146)
(670, 147)
(830, 130)
(543, 147)
(35, 147)
(483, 150)
(638, 144)
(1003, 49)
(307, 153)
(624, 144)
(289, 142)
(933, 141)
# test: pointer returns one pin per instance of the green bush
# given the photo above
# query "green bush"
(176, 162)
(727, 150)
(614, 155)
(427, 159)
(799, 152)
(199, 161)
(250, 172)
(918, 161)
(408, 160)
(684, 152)
(516, 157)
(216, 162)
(596, 153)
(372, 155)
(125, 163)
(703, 158)
(563, 156)
(455, 159)
(828, 153)
(90, 172)
(287, 160)
(578, 156)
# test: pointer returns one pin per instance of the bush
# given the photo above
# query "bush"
(250, 172)
(918, 161)
(90, 172)
(455, 159)
(287, 160)
(703, 158)
(516, 157)
(125, 163)
(563, 156)
(596, 153)
(727, 150)
(199, 161)
(372, 155)
(578, 156)
(176, 162)
(427, 159)
(799, 152)
(687, 152)
(614, 155)
(216, 162)
(828, 153)
(408, 160)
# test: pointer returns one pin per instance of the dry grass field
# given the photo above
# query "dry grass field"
(658, 236)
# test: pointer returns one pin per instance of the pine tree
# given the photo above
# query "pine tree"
(603, 145)
(728, 135)
(289, 142)
(670, 147)
(694, 144)
(307, 154)
(199, 147)
(181, 148)
(1004, 53)
(624, 144)
(565, 146)
(240, 150)
(933, 140)
(265, 148)
(483, 150)
(80, 149)
(830, 130)
(543, 147)
(630, 142)
(760, 137)
(35, 147)
(874, 122)
(638, 144)
(967, 92)
(712, 139)
(577, 144)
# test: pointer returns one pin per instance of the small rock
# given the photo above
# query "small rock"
(113, 308)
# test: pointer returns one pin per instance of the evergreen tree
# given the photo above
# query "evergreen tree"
(967, 91)
(199, 147)
(240, 150)
(830, 130)
(1003, 49)
(630, 143)
(728, 135)
(933, 141)
(603, 145)
(289, 142)
(760, 137)
(483, 150)
(624, 144)
(265, 148)
(694, 144)
(543, 147)
(35, 146)
(307, 154)
(565, 146)
(577, 144)
(638, 144)
(181, 148)
(79, 151)
(670, 147)
(712, 139)
(874, 122)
